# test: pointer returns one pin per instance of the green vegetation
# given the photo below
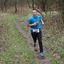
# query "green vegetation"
(16, 50)
(55, 46)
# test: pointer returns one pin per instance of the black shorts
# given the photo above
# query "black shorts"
(36, 36)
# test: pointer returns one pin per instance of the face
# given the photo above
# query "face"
(34, 13)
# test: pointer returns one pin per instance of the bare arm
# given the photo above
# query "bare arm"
(42, 22)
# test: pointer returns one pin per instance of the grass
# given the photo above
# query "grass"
(55, 48)
(16, 49)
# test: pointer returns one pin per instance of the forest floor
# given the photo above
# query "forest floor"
(16, 45)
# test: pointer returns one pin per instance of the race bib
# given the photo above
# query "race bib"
(36, 30)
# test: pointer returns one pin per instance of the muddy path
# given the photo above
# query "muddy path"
(29, 40)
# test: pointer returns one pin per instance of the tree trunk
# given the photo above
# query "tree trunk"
(28, 3)
(16, 6)
(33, 4)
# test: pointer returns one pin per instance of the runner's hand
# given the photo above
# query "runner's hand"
(35, 24)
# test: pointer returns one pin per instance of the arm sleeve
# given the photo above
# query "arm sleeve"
(29, 21)
(40, 18)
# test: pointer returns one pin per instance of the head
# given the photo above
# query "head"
(34, 13)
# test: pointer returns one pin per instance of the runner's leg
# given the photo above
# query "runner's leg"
(34, 38)
(39, 36)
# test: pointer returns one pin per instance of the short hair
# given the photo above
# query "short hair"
(34, 10)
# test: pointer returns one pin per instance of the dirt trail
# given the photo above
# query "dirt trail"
(30, 44)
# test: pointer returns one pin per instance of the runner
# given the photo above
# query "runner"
(35, 28)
